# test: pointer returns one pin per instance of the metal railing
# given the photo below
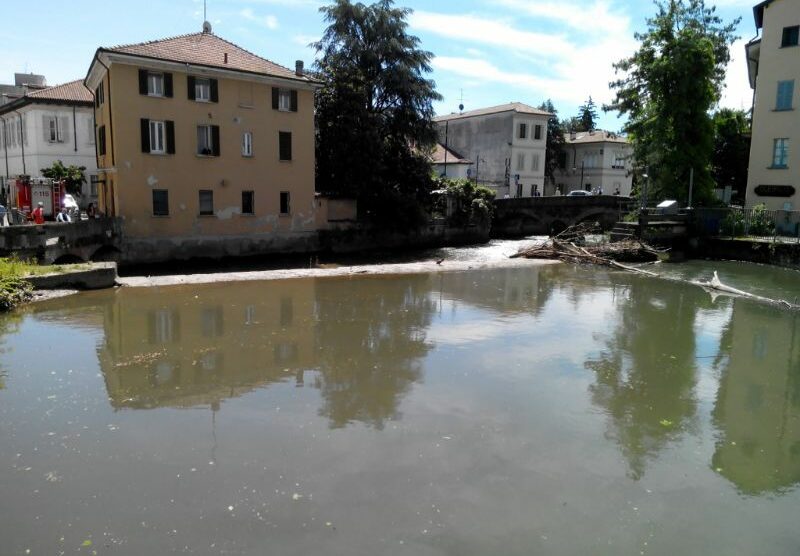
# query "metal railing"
(759, 223)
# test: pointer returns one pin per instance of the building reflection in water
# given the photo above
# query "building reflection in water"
(360, 347)
(645, 378)
(757, 411)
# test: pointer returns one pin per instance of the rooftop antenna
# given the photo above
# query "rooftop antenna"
(206, 24)
(461, 102)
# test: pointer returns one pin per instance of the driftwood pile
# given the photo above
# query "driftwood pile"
(569, 246)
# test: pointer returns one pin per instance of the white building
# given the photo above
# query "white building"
(43, 126)
(506, 143)
(449, 164)
(595, 161)
(774, 64)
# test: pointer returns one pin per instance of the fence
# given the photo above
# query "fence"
(775, 225)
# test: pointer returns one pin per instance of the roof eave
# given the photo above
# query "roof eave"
(111, 54)
(26, 100)
(758, 12)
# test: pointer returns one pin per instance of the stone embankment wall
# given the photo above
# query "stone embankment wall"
(785, 254)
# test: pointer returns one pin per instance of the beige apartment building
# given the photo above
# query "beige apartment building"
(774, 67)
(203, 148)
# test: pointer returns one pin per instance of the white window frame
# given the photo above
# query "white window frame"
(780, 153)
(284, 100)
(157, 137)
(209, 139)
(535, 160)
(521, 161)
(247, 144)
(52, 129)
(155, 84)
(202, 89)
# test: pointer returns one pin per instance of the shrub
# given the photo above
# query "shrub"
(472, 204)
(13, 291)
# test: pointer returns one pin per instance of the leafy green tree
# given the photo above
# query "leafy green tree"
(731, 150)
(555, 141)
(668, 89)
(73, 176)
(374, 112)
(587, 116)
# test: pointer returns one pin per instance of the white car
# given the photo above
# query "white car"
(578, 193)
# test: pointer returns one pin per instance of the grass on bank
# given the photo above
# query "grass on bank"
(13, 287)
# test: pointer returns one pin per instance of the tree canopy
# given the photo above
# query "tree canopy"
(731, 150)
(72, 176)
(669, 86)
(587, 116)
(555, 141)
(374, 111)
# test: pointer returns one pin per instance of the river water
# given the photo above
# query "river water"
(527, 410)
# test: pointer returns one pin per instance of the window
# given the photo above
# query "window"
(284, 145)
(208, 140)
(284, 100)
(247, 143)
(780, 153)
(99, 95)
(790, 36)
(523, 131)
(156, 137)
(93, 181)
(537, 132)
(53, 131)
(285, 206)
(101, 140)
(535, 165)
(247, 202)
(155, 84)
(521, 161)
(785, 94)
(619, 161)
(206, 198)
(160, 202)
(202, 89)
(562, 160)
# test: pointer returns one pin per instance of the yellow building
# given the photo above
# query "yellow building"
(203, 148)
(774, 66)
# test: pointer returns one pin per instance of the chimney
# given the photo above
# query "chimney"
(298, 68)
(591, 133)
(571, 135)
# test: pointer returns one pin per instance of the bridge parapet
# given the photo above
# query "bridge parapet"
(53, 241)
(546, 215)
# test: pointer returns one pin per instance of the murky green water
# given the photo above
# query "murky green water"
(515, 411)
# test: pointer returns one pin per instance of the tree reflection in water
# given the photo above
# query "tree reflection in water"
(757, 410)
(645, 381)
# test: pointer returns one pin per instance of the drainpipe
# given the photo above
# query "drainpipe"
(5, 144)
(74, 129)
(446, 144)
(22, 141)
(110, 115)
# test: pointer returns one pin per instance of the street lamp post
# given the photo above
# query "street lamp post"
(575, 169)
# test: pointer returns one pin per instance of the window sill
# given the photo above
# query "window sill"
(206, 215)
(159, 216)
(783, 109)
(247, 214)
(150, 95)
(157, 153)
(777, 167)
(206, 156)
(287, 161)
(248, 156)
(248, 106)
(790, 45)
(285, 214)
(203, 100)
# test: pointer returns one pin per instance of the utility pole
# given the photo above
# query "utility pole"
(446, 144)
(691, 186)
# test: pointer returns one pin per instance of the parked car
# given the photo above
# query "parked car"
(72, 207)
(578, 193)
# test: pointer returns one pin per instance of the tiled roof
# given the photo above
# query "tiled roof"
(452, 157)
(596, 136)
(74, 91)
(205, 49)
(517, 107)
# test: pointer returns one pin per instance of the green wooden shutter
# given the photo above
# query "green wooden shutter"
(294, 101)
(142, 82)
(214, 91)
(275, 94)
(190, 86)
(170, 130)
(145, 127)
(215, 139)
(168, 85)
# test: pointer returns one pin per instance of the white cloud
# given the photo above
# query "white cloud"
(268, 21)
(568, 66)
(591, 18)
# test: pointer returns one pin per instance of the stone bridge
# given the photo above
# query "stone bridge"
(86, 240)
(548, 215)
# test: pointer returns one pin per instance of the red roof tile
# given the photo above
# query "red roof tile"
(205, 49)
(74, 91)
(437, 157)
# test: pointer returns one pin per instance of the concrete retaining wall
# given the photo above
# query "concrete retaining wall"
(99, 276)
(749, 250)
(437, 234)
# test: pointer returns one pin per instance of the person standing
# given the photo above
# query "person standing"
(3, 216)
(63, 216)
(38, 213)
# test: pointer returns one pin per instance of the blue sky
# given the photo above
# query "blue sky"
(495, 51)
